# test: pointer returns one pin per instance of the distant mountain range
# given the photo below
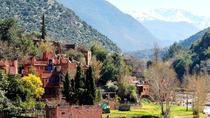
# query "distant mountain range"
(187, 43)
(122, 29)
(62, 23)
(172, 15)
(170, 32)
(170, 25)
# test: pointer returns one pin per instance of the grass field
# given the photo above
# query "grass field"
(149, 109)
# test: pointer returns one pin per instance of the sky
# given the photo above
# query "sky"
(199, 7)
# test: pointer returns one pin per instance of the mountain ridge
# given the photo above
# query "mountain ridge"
(123, 29)
(187, 43)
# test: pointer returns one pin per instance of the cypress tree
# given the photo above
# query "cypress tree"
(91, 88)
(68, 88)
(80, 85)
(43, 28)
(78, 77)
(73, 85)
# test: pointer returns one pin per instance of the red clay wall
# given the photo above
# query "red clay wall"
(76, 112)
(9, 67)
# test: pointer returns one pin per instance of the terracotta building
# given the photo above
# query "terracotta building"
(49, 69)
(9, 67)
(143, 89)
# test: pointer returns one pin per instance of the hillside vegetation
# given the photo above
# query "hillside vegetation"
(189, 41)
(62, 23)
(194, 60)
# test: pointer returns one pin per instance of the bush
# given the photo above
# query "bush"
(111, 87)
(128, 92)
(40, 105)
(124, 107)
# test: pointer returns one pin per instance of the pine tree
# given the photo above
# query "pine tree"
(43, 28)
(91, 88)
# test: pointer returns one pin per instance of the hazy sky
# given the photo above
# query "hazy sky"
(200, 7)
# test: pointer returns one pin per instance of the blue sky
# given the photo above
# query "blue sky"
(200, 7)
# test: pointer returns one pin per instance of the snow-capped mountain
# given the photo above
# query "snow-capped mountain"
(170, 25)
(172, 15)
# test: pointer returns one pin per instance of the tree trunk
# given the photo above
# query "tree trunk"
(167, 112)
(187, 103)
(162, 108)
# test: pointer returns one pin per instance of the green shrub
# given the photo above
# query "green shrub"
(124, 107)
(40, 105)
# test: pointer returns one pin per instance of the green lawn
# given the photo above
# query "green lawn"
(151, 110)
(181, 111)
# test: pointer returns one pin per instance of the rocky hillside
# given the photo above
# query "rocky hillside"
(62, 23)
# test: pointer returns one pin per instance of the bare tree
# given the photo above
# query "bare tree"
(163, 83)
(156, 53)
(199, 86)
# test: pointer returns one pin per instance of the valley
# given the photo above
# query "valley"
(104, 59)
